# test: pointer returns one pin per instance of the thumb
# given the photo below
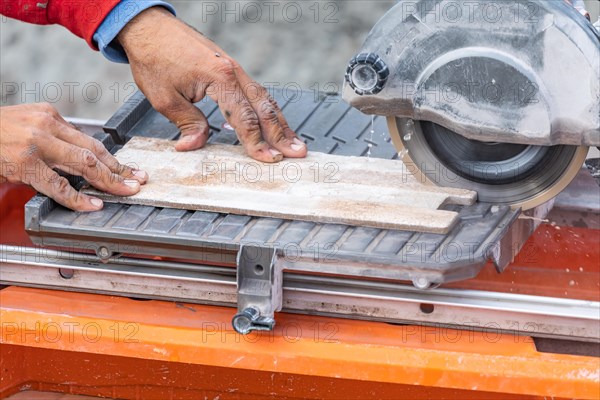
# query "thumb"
(189, 119)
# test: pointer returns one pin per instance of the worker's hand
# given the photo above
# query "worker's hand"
(176, 66)
(35, 139)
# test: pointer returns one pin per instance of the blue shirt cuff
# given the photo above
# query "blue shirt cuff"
(116, 20)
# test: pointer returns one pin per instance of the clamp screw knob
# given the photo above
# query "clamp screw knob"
(249, 319)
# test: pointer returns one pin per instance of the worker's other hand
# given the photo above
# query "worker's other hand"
(35, 139)
(176, 66)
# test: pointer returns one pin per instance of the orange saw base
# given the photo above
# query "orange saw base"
(122, 348)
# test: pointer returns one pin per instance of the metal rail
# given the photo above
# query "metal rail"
(341, 297)
(349, 297)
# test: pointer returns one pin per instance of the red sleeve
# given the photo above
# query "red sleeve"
(82, 17)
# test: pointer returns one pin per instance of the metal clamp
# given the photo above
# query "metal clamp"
(259, 289)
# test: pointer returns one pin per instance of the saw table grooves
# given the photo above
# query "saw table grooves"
(320, 188)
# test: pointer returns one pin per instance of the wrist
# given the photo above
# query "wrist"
(143, 27)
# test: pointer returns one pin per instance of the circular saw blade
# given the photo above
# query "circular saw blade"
(522, 176)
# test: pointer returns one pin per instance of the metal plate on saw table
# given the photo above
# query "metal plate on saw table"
(328, 125)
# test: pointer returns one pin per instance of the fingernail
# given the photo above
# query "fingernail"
(96, 202)
(275, 153)
(143, 175)
(132, 184)
(297, 144)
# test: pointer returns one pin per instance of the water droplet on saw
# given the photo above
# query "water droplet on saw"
(372, 132)
(410, 129)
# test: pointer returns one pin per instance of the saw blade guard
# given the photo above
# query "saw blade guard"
(511, 71)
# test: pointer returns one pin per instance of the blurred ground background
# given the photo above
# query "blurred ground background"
(296, 43)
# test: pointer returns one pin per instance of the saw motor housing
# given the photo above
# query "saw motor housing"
(510, 71)
(498, 97)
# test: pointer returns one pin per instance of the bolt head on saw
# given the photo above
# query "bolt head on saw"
(499, 97)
